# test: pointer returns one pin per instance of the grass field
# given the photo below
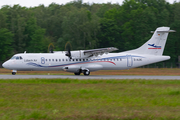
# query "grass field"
(134, 71)
(66, 99)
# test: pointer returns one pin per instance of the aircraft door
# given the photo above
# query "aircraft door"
(129, 61)
(42, 60)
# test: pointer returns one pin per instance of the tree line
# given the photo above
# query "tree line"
(87, 26)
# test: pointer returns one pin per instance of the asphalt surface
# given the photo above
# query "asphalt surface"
(91, 77)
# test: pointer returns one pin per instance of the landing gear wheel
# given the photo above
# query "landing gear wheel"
(86, 72)
(13, 73)
(77, 73)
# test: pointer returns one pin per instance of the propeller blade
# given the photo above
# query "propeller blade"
(50, 48)
(68, 53)
(68, 49)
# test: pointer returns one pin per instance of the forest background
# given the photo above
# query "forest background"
(88, 26)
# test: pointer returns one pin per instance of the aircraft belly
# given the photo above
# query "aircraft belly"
(93, 67)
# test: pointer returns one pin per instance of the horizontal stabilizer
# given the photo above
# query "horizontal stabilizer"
(168, 31)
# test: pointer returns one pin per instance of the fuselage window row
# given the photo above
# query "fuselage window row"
(56, 60)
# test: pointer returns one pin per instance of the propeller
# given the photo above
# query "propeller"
(68, 49)
(51, 48)
(68, 53)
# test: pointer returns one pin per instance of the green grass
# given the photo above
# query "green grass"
(53, 99)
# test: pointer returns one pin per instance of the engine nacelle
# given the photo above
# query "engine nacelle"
(79, 54)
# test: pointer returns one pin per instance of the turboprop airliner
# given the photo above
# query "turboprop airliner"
(86, 61)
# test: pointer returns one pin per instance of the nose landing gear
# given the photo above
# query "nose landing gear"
(14, 72)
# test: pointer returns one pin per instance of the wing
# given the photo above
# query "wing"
(100, 51)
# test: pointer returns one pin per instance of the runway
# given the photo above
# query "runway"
(90, 77)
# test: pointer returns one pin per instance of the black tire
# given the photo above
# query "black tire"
(13, 73)
(77, 73)
(86, 72)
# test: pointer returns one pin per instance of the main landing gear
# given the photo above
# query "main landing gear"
(14, 72)
(85, 72)
(78, 73)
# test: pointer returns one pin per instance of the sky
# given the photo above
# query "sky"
(33, 3)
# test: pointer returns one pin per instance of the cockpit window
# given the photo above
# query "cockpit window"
(16, 57)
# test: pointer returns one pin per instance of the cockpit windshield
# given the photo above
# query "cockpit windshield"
(16, 57)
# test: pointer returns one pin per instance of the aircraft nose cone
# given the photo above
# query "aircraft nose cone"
(5, 65)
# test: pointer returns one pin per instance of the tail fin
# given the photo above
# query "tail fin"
(156, 45)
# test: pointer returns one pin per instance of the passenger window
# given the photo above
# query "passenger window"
(73, 59)
(56, 60)
(49, 59)
(83, 59)
(62, 59)
(46, 60)
(76, 59)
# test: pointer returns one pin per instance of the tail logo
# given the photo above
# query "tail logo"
(154, 46)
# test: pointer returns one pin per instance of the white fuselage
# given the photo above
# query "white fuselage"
(58, 61)
(85, 61)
